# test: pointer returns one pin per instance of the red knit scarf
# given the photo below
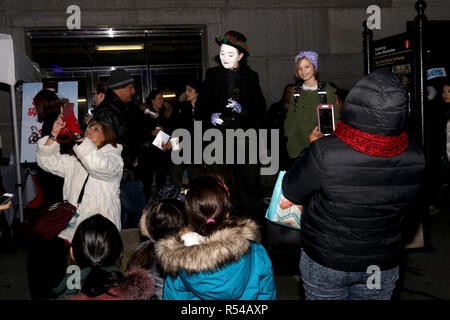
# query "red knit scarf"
(371, 144)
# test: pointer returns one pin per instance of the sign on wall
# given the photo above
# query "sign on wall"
(31, 128)
(396, 53)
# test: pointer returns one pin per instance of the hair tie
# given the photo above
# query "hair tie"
(210, 221)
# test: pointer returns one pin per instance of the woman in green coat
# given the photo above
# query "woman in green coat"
(301, 117)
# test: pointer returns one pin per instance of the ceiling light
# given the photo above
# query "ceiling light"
(170, 95)
(82, 100)
(120, 47)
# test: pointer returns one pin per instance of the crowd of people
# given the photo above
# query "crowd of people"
(205, 243)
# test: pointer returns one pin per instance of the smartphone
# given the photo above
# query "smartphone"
(325, 117)
(5, 198)
(67, 110)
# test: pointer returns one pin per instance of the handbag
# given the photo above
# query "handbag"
(282, 235)
(281, 210)
(56, 218)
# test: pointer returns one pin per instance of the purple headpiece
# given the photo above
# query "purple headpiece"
(310, 55)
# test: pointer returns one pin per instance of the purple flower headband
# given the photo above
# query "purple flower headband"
(310, 55)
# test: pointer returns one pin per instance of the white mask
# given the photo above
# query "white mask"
(229, 56)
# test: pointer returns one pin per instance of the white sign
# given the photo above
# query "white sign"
(31, 128)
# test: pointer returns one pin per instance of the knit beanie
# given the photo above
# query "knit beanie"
(119, 78)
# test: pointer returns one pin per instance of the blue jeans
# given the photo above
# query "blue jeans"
(322, 283)
(132, 201)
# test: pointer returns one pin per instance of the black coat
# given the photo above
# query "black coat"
(124, 123)
(354, 203)
(212, 98)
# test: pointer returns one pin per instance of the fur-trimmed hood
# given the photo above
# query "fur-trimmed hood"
(223, 247)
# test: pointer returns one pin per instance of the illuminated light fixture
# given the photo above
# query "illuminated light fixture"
(82, 100)
(111, 33)
(169, 95)
(119, 47)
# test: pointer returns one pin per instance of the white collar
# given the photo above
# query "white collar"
(309, 88)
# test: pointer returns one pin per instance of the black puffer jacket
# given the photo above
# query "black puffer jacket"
(354, 203)
(123, 121)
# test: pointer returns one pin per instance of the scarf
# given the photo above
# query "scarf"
(371, 144)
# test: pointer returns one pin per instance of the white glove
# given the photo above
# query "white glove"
(215, 120)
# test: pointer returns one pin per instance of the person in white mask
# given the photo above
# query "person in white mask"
(231, 98)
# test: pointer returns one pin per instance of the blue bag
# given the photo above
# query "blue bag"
(282, 211)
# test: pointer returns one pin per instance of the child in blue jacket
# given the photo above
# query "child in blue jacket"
(219, 258)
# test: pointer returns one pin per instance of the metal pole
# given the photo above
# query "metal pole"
(147, 60)
(367, 49)
(419, 30)
(16, 152)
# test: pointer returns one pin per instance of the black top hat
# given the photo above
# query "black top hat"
(235, 39)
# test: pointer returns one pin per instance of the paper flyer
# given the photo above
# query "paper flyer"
(161, 139)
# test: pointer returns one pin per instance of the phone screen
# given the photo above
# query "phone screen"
(4, 199)
(326, 121)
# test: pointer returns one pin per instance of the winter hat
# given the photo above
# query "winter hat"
(310, 55)
(235, 39)
(119, 78)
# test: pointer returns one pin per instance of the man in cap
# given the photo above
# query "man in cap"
(115, 111)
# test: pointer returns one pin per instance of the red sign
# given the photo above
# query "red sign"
(32, 112)
(407, 44)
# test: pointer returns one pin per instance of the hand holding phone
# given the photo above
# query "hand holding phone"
(4, 199)
(325, 117)
(58, 125)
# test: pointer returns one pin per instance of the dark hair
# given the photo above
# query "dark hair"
(47, 101)
(194, 84)
(101, 87)
(333, 85)
(96, 244)
(152, 96)
(108, 132)
(208, 198)
(285, 90)
(342, 94)
(164, 218)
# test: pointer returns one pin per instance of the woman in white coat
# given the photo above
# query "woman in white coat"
(98, 155)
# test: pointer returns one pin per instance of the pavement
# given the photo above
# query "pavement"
(425, 274)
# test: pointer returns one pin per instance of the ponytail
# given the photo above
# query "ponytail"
(100, 280)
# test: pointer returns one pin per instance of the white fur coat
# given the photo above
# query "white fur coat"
(102, 191)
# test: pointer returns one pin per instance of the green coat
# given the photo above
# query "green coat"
(299, 123)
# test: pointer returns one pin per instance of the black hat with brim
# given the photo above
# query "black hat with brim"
(235, 39)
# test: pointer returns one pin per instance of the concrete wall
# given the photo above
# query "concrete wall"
(276, 30)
